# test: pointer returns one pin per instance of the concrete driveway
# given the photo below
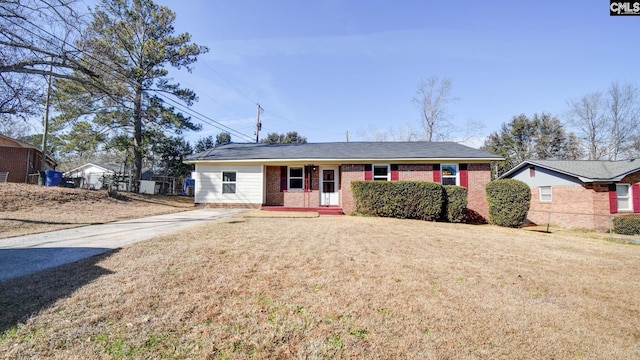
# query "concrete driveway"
(27, 254)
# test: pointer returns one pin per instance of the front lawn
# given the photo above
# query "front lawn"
(334, 287)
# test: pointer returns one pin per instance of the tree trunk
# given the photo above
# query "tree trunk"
(137, 139)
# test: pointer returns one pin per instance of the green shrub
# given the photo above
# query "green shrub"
(508, 202)
(627, 225)
(455, 210)
(399, 199)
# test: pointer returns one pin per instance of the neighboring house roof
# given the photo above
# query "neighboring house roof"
(101, 167)
(353, 151)
(586, 171)
(10, 142)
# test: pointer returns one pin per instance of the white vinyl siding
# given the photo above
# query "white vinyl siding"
(209, 183)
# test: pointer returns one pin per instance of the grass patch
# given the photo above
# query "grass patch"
(339, 287)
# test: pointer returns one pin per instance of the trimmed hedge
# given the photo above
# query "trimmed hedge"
(455, 209)
(627, 224)
(509, 201)
(399, 199)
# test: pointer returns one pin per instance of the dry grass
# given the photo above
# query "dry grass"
(27, 209)
(334, 287)
(280, 214)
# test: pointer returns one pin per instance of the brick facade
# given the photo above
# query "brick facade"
(572, 206)
(349, 173)
(415, 172)
(477, 205)
(577, 206)
(478, 176)
(273, 196)
(301, 198)
(291, 198)
(19, 163)
(228, 206)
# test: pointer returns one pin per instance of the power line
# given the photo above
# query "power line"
(207, 119)
(125, 78)
(230, 83)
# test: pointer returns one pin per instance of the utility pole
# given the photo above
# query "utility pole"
(259, 111)
(45, 132)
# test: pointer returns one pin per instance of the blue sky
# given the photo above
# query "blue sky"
(323, 68)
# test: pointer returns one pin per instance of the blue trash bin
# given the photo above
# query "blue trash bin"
(53, 178)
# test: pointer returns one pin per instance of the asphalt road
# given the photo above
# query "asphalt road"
(22, 255)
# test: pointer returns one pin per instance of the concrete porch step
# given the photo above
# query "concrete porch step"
(323, 210)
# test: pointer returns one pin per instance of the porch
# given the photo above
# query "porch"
(302, 186)
(321, 210)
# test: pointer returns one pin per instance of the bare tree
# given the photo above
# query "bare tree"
(20, 96)
(39, 37)
(432, 98)
(623, 115)
(400, 133)
(587, 116)
(607, 123)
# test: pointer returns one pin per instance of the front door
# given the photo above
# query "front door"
(329, 186)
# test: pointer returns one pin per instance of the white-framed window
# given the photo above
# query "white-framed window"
(449, 174)
(546, 193)
(624, 196)
(229, 182)
(296, 178)
(381, 172)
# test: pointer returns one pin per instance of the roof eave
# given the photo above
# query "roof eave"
(343, 160)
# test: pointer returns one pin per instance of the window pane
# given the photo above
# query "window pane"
(295, 183)
(449, 170)
(228, 188)
(623, 204)
(622, 190)
(328, 175)
(545, 193)
(295, 172)
(229, 176)
(624, 198)
(328, 187)
(380, 171)
(449, 181)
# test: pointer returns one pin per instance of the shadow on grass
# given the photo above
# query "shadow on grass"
(183, 204)
(25, 296)
(28, 221)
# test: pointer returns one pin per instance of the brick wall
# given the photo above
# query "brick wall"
(294, 198)
(479, 176)
(301, 198)
(415, 172)
(349, 173)
(572, 206)
(18, 161)
(273, 196)
(477, 205)
(228, 206)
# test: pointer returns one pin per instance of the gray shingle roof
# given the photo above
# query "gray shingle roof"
(586, 170)
(343, 151)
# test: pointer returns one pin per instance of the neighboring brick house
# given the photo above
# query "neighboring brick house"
(319, 175)
(20, 159)
(579, 193)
